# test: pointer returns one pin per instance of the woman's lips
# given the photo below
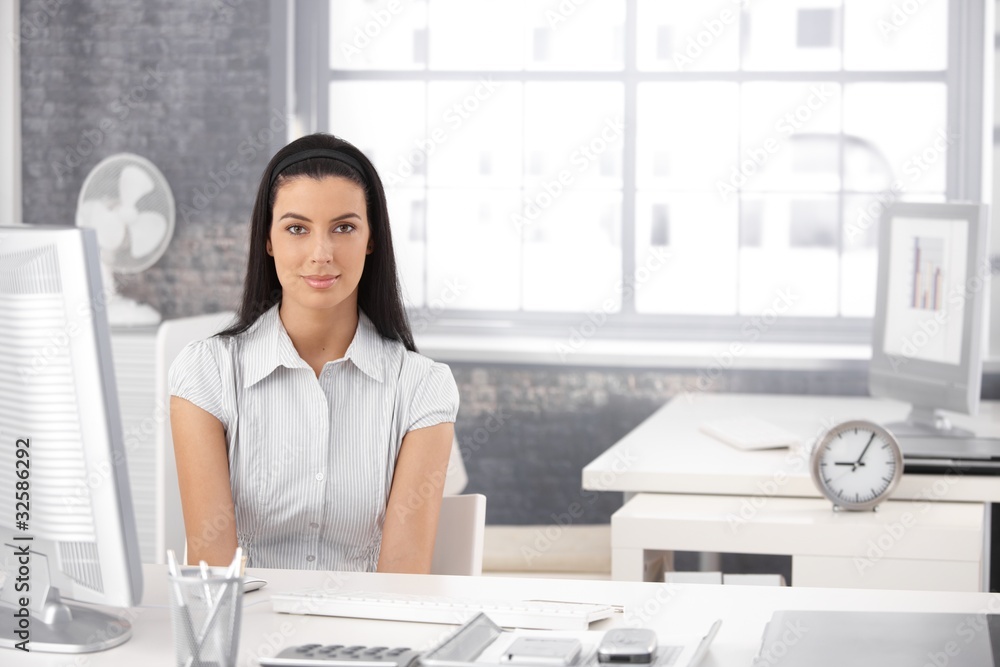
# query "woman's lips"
(320, 282)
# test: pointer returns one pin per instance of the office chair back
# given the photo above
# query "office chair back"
(458, 548)
(456, 479)
(171, 338)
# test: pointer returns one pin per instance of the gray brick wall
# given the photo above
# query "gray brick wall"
(183, 83)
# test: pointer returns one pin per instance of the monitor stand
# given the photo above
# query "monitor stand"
(927, 423)
(53, 625)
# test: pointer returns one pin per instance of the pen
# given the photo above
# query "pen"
(185, 613)
(203, 570)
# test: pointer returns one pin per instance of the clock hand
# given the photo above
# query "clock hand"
(865, 450)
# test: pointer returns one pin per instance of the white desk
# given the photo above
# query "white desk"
(668, 454)
(674, 611)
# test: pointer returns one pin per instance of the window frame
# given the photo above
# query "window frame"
(968, 78)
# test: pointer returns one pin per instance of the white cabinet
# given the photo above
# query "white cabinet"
(906, 544)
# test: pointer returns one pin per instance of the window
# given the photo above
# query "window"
(668, 168)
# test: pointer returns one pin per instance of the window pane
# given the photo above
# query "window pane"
(366, 113)
(408, 220)
(473, 250)
(475, 133)
(576, 128)
(866, 168)
(789, 255)
(914, 145)
(686, 261)
(688, 36)
(791, 137)
(687, 134)
(385, 34)
(477, 34)
(792, 35)
(859, 261)
(572, 36)
(894, 35)
(572, 254)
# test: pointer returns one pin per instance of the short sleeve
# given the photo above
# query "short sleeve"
(195, 376)
(436, 398)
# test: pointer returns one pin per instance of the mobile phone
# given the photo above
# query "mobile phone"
(628, 645)
(542, 651)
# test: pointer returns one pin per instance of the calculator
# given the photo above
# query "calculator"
(457, 650)
(338, 655)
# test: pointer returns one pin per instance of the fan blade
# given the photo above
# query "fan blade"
(96, 215)
(133, 184)
(147, 232)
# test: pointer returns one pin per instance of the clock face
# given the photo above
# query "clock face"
(857, 464)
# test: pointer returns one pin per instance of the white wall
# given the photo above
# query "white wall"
(10, 113)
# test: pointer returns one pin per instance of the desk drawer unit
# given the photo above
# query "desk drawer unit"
(909, 545)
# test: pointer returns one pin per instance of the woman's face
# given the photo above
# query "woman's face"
(319, 239)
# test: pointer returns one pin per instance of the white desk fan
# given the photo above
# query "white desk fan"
(128, 202)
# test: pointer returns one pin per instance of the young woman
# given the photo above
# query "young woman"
(311, 433)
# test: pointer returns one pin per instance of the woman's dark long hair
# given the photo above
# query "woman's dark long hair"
(379, 295)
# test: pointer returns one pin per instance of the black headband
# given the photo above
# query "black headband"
(311, 153)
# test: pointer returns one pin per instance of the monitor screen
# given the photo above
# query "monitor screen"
(929, 261)
(68, 533)
(933, 280)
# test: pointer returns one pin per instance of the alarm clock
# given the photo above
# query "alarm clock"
(856, 465)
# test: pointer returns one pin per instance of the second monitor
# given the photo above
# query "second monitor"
(928, 332)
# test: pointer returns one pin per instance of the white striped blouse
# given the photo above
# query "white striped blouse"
(311, 459)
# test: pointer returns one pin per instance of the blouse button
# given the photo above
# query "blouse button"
(310, 558)
(314, 525)
(319, 477)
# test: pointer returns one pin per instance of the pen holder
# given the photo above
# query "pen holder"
(205, 614)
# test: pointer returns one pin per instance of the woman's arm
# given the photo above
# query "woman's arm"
(411, 516)
(203, 475)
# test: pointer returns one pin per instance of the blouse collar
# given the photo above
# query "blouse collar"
(268, 347)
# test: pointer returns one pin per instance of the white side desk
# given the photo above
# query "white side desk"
(765, 501)
(676, 612)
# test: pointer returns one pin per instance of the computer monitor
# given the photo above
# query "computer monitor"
(67, 528)
(933, 280)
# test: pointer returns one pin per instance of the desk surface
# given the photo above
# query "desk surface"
(668, 453)
(676, 612)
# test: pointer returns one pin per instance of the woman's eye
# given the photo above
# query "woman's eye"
(344, 228)
(296, 229)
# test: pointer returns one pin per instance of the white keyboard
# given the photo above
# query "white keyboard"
(533, 614)
(749, 433)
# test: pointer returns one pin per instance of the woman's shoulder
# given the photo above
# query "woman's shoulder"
(398, 360)
(412, 368)
(203, 356)
(213, 347)
(410, 364)
(431, 391)
(227, 348)
(417, 361)
(421, 372)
